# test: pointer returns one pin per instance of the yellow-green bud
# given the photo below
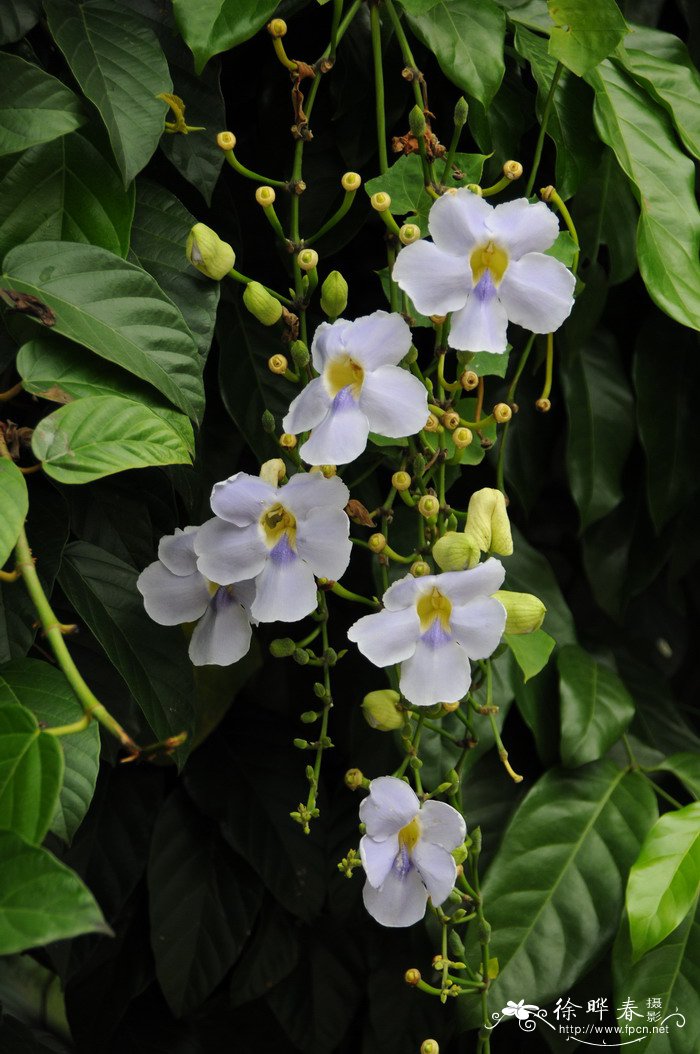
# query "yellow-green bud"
(462, 438)
(226, 141)
(208, 253)
(273, 471)
(438, 320)
(487, 524)
(327, 471)
(307, 259)
(455, 551)
(428, 506)
(469, 380)
(282, 647)
(475, 189)
(461, 112)
(416, 122)
(288, 441)
(512, 170)
(376, 542)
(353, 779)
(380, 201)
(381, 710)
(449, 708)
(261, 304)
(430, 1046)
(277, 364)
(524, 612)
(265, 196)
(412, 976)
(432, 424)
(277, 27)
(543, 405)
(410, 232)
(546, 193)
(450, 420)
(334, 295)
(300, 353)
(419, 569)
(351, 181)
(502, 413)
(401, 480)
(460, 854)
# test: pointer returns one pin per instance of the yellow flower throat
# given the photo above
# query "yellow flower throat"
(491, 258)
(275, 522)
(344, 372)
(409, 835)
(432, 606)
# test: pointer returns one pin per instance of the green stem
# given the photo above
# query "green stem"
(249, 174)
(334, 219)
(406, 52)
(376, 33)
(327, 705)
(68, 730)
(346, 594)
(660, 791)
(543, 128)
(244, 280)
(566, 216)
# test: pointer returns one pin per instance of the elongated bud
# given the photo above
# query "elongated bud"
(381, 710)
(409, 233)
(487, 524)
(462, 438)
(380, 201)
(208, 253)
(455, 551)
(428, 506)
(524, 612)
(450, 420)
(273, 471)
(416, 122)
(401, 480)
(460, 854)
(307, 259)
(277, 27)
(512, 170)
(502, 412)
(268, 419)
(282, 647)
(300, 354)
(376, 542)
(265, 196)
(412, 976)
(469, 380)
(461, 112)
(419, 569)
(277, 364)
(262, 305)
(351, 181)
(353, 779)
(288, 441)
(226, 141)
(334, 295)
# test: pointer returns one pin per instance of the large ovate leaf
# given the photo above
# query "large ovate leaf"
(531, 651)
(34, 107)
(686, 768)
(17, 17)
(103, 434)
(405, 184)
(41, 900)
(44, 690)
(596, 708)
(605, 213)
(31, 771)
(14, 501)
(115, 309)
(211, 26)
(675, 86)
(584, 32)
(120, 66)
(663, 179)
(664, 882)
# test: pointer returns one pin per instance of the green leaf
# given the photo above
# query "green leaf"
(664, 882)
(44, 690)
(686, 768)
(528, 571)
(203, 903)
(269, 956)
(485, 363)
(34, 107)
(17, 17)
(564, 248)
(674, 86)
(466, 37)
(41, 900)
(530, 650)
(121, 68)
(15, 504)
(158, 237)
(211, 26)
(103, 434)
(596, 708)
(152, 659)
(551, 921)
(663, 181)
(605, 213)
(31, 771)
(585, 32)
(116, 310)
(64, 190)
(418, 7)
(600, 409)
(405, 184)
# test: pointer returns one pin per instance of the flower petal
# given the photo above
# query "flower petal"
(436, 281)
(228, 554)
(442, 825)
(379, 339)
(308, 409)
(388, 807)
(478, 626)
(176, 551)
(341, 436)
(328, 342)
(462, 586)
(400, 901)
(435, 673)
(172, 599)
(323, 542)
(404, 592)
(310, 490)
(537, 292)
(520, 227)
(378, 857)
(388, 636)
(242, 499)
(436, 868)
(458, 222)
(222, 636)
(285, 591)
(482, 323)
(394, 402)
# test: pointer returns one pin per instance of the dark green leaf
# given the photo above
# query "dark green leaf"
(405, 184)
(120, 66)
(34, 107)
(15, 503)
(530, 650)
(675, 86)
(686, 768)
(17, 17)
(211, 26)
(596, 708)
(585, 32)
(606, 213)
(528, 571)
(31, 771)
(269, 957)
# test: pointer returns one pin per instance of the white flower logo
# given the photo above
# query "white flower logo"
(521, 1009)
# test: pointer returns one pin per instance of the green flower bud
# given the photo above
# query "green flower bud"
(429, 1046)
(353, 779)
(461, 112)
(455, 551)
(334, 295)
(268, 422)
(282, 648)
(428, 506)
(300, 656)
(487, 522)
(309, 716)
(208, 253)
(300, 354)
(460, 854)
(524, 612)
(381, 710)
(416, 122)
(261, 304)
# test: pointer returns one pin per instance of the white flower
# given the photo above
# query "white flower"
(487, 266)
(406, 851)
(174, 591)
(433, 626)
(360, 389)
(521, 1009)
(280, 537)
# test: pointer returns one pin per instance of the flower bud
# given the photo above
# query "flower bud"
(412, 976)
(353, 779)
(462, 438)
(226, 141)
(381, 710)
(430, 1046)
(277, 364)
(301, 656)
(432, 424)
(273, 471)
(308, 717)
(475, 189)
(261, 304)
(543, 405)
(416, 122)
(327, 471)
(376, 542)
(282, 648)
(300, 354)
(502, 413)
(461, 112)
(546, 193)
(469, 380)
(450, 420)
(460, 854)
(401, 480)
(524, 612)
(449, 708)
(487, 524)
(455, 551)
(334, 295)
(208, 253)
(301, 744)
(380, 201)
(307, 259)
(409, 233)
(351, 181)
(268, 419)
(265, 196)
(419, 569)
(277, 27)
(428, 506)
(288, 441)
(512, 170)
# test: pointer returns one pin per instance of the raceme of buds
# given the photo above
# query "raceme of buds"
(334, 295)
(524, 612)
(208, 253)
(261, 304)
(487, 524)
(381, 710)
(455, 551)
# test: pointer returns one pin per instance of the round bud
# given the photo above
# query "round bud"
(277, 27)
(430, 1046)
(502, 412)
(412, 976)
(475, 189)
(351, 181)
(380, 201)
(381, 710)
(353, 779)
(543, 405)
(265, 196)
(277, 364)
(288, 441)
(449, 708)
(462, 437)
(512, 170)
(309, 716)
(409, 233)
(307, 259)
(432, 424)
(401, 480)
(327, 471)
(301, 656)
(282, 647)
(261, 304)
(450, 420)
(301, 744)
(420, 569)
(226, 141)
(376, 542)
(546, 193)
(469, 380)
(428, 506)
(437, 962)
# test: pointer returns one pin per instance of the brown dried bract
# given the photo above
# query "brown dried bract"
(291, 323)
(358, 513)
(408, 144)
(16, 438)
(30, 305)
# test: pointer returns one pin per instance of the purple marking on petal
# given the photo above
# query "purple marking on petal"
(485, 290)
(403, 863)
(221, 600)
(436, 635)
(283, 553)
(344, 400)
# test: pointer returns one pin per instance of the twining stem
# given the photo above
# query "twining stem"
(406, 53)
(484, 1043)
(376, 32)
(327, 705)
(543, 129)
(549, 367)
(249, 174)
(556, 199)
